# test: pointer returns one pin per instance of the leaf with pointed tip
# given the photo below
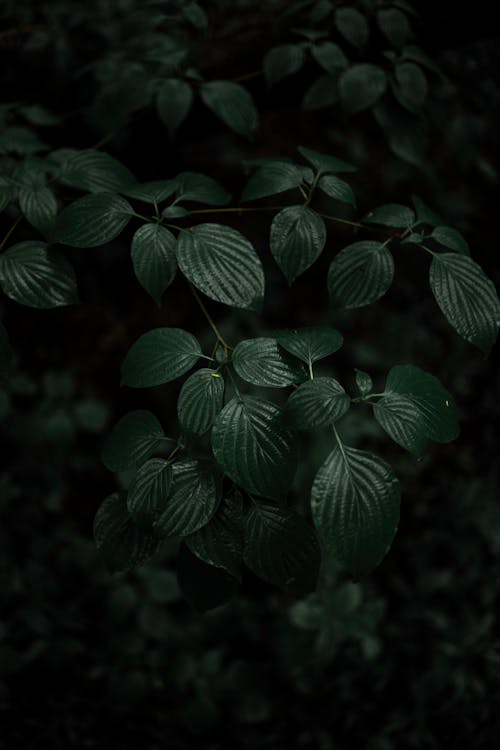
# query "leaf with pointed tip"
(281, 548)
(416, 408)
(37, 277)
(336, 188)
(154, 259)
(261, 362)
(200, 400)
(193, 498)
(39, 206)
(204, 586)
(132, 441)
(360, 274)
(220, 542)
(451, 238)
(194, 186)
(151, 192)
(360, 86)
(322, 93)
(253, 447)
(410, 86)
(6, 355)
(122, 543)
(92, 220)
(325, 162)
(467, 298)
(297, 239)
(149, 491)
(173, 102)
(272, 178)
(352, 25)
(222, 264)
(355, 506)
(159, 356)
(282, 61)
(232, 104)
(391, 215)
(394, 25)
(310, 344)
(316, 403)
(329, 56)
(92, 170)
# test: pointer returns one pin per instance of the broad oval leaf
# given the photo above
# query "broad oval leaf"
(261, 362)
(352, 25)
(222, 264)
(355, 506)
(155, 191)
(416, 408)
(360, 86)
(410, 86)
(232, 104)
(92, 170)
(282, 61)
(310, 344)
(132, 441)
(281, 548)
(316, 403)
(149, 491)
(220, 542)
(200, 400)
(253, 447)
(37, 277)
(173, 103)
(271, 179)
(123, 544)
(451, 238)
(92, 220)
(159, 356)
(193, 500)
(360, 274)
(194, 186)
(329, 56)
(337, 188)
(39, 206)
(391, 215)
(394, 24)
(154, 259)
(325, 162)
(297, 239)
(467, 298)
(322, 93)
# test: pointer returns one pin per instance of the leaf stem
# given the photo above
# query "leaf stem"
(339, 442)
(311, 374)
(427, 249)
(235, 209)
(12, 229)
(208, 318)
(360, 399)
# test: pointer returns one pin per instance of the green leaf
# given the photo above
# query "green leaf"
(391, 215)
(92, 170)
(282, 61)
(204, 586)
(451, 238)
(360, 86)
(281, 548)
(6, 355)
(271, 179)
(132, 441)
(222, 264)
(360, 274)
(39, 206)
(92, 220)
(220, 542)
(329, 56)
(410, 86)
(152, 192)
(352, 25)
(261, 362)
(467, 298)
(154, 259)
(355, 507)
(34, 276)
(425, 215)
(394, 25)
(316, 403)
(254, 449)
(310, 344)
(193, 499)
(297, 239)
(363, 382)
(200, 400)
(149, 491)
(322, 93)
(173, 102)
(416, 408)
(39, 115)
(337, 188)
(122, 543)
(232, 104)
(197, 187)
(325, 162)
(159, 356)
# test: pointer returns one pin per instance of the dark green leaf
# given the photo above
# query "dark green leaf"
(93, 170)
(329, 56)
(152, 192)
(324, 162)
(173, 103)
(322, 93)
(92, 220)
(467, 298)
(193, 186)
(394, 25)
(410, 87)
(34, 276)
(254, 449)
(132, 441)
(261, 362)
(316, 403)
(363, 382)
(360, 274)
(310, 344)
(281, 548)
(159, 356)
(355, 506)
(149, 491)
(193, 498)
(154, 259)
(451, 238)
(200, 400)
(391, 215)
(425, 215)
(39, 206)
(360, 86)
(282, 61)
(416, 408)
(222, 264)
(271, 179)
(232, 104)
(352, 25)
(204, 586)
(337, 188)
(297, 239)
(220, 542)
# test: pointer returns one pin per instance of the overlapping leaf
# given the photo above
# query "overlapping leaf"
(200, 400)
(154, 259)
(316, 403)
(193, 498)
(159, 356)
(360, 274)
(132, 441)
(261, 362)
(298, 236)
(92, 220)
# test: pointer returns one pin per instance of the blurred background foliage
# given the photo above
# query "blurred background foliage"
(409, 657)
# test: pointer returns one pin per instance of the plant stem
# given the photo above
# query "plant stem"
(235, 209)
(360, 399)
(344, 221)
(311, 374)
(13, 227)
(208, 318)
(427, 249)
